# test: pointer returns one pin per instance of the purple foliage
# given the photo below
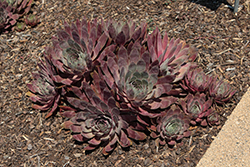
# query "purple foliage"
(114, 83)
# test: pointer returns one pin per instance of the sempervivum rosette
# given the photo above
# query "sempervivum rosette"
(175, 56)
(197, 106)
(22, 7)
(134, 77)
(43, 90)
(31, 20)
(123, 32)
(171, 127)
(11, 10)
(116, 84)
(98, 119)
(196, 81)
(75, 48)
(212, 119)
(7, 16)
(221, 90)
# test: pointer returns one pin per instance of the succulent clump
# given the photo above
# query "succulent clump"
(220, 90)
(196, 106)
(31, 20)
(11, 11)
(7, 16)
(113, 83)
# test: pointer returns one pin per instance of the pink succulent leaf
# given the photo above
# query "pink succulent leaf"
(100, 45)
(94, 142)
(172, 142)
(76, 128)
(67, 124)
(136, 134)
(78, 137)
(53, 109)
(154, 135)
(186, 134)
(108, 148)
(204, 123)
(68, 114)
(124, 140)
(162, 102)
(162, 142)
(87, 135)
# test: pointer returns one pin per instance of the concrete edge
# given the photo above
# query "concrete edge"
(231, 147)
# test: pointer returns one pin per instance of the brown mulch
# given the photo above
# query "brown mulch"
(28, 139)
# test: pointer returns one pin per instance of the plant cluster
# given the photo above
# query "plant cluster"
(116, 83)
(12, 11)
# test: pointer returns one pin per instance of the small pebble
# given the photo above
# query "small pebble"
(66, 157)
(146, 146)
(147, 162)
(29, 147)
(230, 69)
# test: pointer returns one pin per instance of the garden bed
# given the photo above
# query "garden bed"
(28, 139)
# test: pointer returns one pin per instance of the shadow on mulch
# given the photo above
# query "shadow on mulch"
(211, 4)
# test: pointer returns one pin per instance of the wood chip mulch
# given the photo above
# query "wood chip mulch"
(27, 139)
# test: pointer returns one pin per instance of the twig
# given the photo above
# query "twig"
(210, 71)
(40, 119)
(66, 164)
(223, 51)
(49, 163)
(241, 60)
(190, 141)
(236, 5)
(38, 159)
(244, 45)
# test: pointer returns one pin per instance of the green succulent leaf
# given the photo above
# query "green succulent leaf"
(195, 108)
(173, 127)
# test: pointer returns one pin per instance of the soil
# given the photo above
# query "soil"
(27, 139)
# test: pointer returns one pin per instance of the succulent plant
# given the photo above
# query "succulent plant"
(172, 126)
(11, 11)
(113, 83)
(22, 7)
(196, 81)
(98, 120)
(220, 90)
(196, 106)
(43, 91)
(134, 76)
(10, 2)
(20, 26)
(124, 32)
(31, 20)
(75, 49)
(175, 56)
(7, 16)
(213, 119)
